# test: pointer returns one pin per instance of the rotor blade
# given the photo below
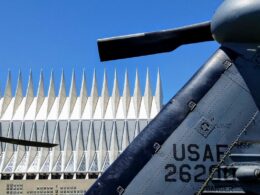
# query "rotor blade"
(153, 42)
(27, 143)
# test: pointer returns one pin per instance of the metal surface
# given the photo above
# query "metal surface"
(219, 104)
(141, 150)
(237, 21)
(153, 42)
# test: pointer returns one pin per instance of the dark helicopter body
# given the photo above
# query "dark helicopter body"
(206, 139)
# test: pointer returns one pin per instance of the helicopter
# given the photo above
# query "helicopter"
(206, 139)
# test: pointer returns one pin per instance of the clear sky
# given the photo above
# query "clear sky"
(60, 34)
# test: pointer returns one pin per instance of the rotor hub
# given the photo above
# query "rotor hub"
(237, 21)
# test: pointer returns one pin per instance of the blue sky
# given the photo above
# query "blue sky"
(62, 34)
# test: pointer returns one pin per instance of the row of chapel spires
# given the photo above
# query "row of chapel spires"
(82, 106)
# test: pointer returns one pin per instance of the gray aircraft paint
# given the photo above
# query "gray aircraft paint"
(231, 106)
(237, 21)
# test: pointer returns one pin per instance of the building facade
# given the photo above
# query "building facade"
(90, 130)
